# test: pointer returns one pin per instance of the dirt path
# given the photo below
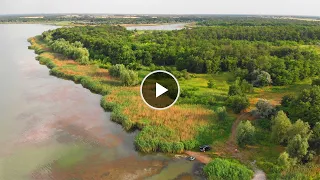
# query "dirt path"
(200, 156)
(229, 148)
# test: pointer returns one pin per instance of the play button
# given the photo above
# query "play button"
(160, 90)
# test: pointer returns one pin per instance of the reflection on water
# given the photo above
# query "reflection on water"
(54, 129)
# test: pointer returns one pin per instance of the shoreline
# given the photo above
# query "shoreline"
(110, 102)
(116, 115)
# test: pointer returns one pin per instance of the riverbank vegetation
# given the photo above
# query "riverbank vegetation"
(222, 71)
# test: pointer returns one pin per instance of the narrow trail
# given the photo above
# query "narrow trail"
(229, 148)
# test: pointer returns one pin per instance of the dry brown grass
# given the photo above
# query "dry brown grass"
(182, 119)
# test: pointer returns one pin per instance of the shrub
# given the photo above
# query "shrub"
(260, 78)
(285, 161)
(245, 133)
(116, 70)
(221, 169)
(238, 103)
(158, 138)
(234, 90)
(211, 83)
(265, 109)
(222, 113)
(190, 144)
(316, 82)
(286, 100)
(129, 78)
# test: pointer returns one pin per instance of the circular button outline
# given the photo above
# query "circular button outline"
(160, 71)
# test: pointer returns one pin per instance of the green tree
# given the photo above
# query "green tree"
(306, 106)
(245, 133)
(238, 103)
(264, 108)
(261, 78)
(280, 127)
(297, 147)
(299, 127)
(315, 138)
(285, 161)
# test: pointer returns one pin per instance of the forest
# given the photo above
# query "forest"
(225, 71)
(280, 52)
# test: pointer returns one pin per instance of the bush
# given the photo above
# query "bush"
(316, 82)
(286, 100)
(234, 90)
(129, 78)
(245, 133)
(211, 83)
(285, 161)
(222, 169)
(265, 109)
(222, 113)
(238, 103)
(190, 144)
(115, 71)
(158, 138)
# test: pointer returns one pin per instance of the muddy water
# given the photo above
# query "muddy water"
(54, 129)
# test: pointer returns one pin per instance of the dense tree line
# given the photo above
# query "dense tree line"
(72, 50)
(257, 21)
(261, 55)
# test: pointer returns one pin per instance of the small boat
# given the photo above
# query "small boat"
(191, 158)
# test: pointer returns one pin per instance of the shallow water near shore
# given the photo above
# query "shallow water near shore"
(54, 129)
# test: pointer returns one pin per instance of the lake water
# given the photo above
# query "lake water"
(158, 27)
(54, 129)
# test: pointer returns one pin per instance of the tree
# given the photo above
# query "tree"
(281, 125)
(315, 138)
(297, 147)
(238, 103)
(306, 106)
(301, 128)
(245, 133)
(285, 161)
(264, 108)
(263, 79)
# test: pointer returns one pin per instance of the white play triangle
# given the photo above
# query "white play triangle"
(160, 90)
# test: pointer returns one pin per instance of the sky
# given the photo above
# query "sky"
(259, 7)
